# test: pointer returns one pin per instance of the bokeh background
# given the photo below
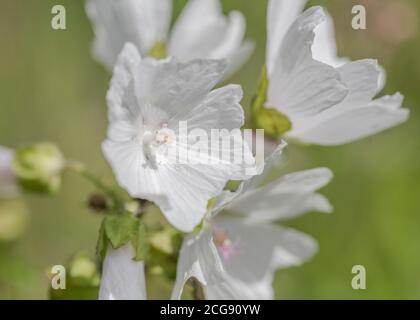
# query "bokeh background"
(52, 90)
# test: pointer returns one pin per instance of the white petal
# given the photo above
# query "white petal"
(226, 198)
(8, 184)
(280, 16)
(299, 86)
(174, 88)
(287, 197)
(357, 123)
(142, 22)
(221, 109)
(202, 31)
(324, 48)
(198, 259)
(122, 277)
(362, 80)
(119, 97)
(239, 57)
(260, 250)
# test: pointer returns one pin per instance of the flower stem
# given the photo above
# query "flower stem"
(81, 169)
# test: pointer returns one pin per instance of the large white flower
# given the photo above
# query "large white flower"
(201, 31)
(122, 277)
(8, 184)
(148, 100)
(235, 257)
(323, 117)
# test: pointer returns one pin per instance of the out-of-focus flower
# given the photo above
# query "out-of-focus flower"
(81, 279)
(14, 219)
(235, 257)
(38, 167)
(329, 116)
(201, 31)
(147, 101)
(8, 185)
(122, 277)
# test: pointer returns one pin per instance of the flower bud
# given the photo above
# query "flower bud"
(38, 167)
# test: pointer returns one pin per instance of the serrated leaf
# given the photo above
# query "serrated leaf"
(120, 229)
(141, 244)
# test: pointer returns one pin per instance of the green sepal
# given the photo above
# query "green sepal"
(274, 123)
(261, 96)
(158, 51)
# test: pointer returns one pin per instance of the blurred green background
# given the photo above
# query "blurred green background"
(51, 89)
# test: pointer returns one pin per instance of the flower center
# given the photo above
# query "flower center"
(226, 246)
(153, 140)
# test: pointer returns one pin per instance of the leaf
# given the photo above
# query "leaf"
(102, 243)
(120, 229)
(141, 243)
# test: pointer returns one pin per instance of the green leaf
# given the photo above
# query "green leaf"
(141, 244)
(274, 123)
(120, 229)
(102, 243)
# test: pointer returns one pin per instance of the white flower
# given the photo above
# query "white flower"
(325, 117)
(147, 101)
(235, 257)
(122, 277)
(201, 31)
(8, 184)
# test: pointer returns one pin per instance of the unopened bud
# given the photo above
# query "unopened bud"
(38, 167)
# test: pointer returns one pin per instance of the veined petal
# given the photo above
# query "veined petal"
(119, 97)
(174, 88)
(198, 259)
(280, 16)
(299, 86)
(142, 22)
(286, 197)
(150, 96)
(202, 31)
(324, 48)
(199, 29)
(357, 123)
(122, 277)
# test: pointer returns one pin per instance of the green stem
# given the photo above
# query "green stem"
(81, 169)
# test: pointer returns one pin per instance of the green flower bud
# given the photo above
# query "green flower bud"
(158, 51)
(274, 123)
(38, 167)
(83, 270)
